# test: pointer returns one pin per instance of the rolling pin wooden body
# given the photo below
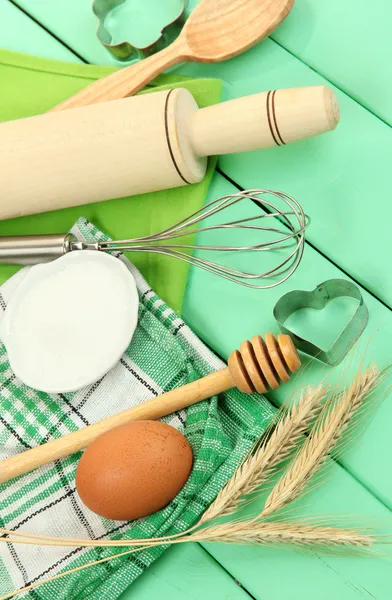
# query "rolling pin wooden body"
(144, 143)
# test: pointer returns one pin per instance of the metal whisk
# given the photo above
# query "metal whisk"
(288, 224)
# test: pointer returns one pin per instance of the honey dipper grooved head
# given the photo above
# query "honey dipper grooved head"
(260, 365)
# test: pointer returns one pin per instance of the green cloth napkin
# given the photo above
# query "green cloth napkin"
(30, 86)
(163, 354)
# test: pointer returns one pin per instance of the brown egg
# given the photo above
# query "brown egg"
(133, 470)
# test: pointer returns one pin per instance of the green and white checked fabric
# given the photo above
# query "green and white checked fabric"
(164, 354)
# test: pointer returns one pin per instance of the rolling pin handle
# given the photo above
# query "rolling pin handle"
(263, 120)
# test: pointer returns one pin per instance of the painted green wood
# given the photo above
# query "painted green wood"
(19, 33)
(185, 572)
(224, 315)
(340, 178)
(334, 176)
(248, 312)
(331, 37)
(72, 21)
(335, 39)
(276, 574)
(345, 578)
(349, 43)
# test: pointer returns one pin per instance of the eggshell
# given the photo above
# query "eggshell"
(133, 470)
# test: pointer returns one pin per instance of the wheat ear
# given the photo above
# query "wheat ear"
(244, 532)
(327, 431)
(260, 533)
(248, 477)
(257, 468)
(284, 532)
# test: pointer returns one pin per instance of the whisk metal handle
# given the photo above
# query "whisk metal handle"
(33, 249)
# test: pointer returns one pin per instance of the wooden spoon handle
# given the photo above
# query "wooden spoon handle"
(127, 81)
(156, 408)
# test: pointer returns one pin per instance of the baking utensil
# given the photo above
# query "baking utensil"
(147, 143)
(122, 23)
(258, 365)
(318, 299)
(69, 322)
(285, 242)
(215, 31)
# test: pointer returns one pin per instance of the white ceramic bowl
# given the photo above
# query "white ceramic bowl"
(69, 321)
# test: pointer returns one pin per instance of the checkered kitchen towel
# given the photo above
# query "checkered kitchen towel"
(164, 354)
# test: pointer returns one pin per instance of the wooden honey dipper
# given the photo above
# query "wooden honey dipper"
(258, 366)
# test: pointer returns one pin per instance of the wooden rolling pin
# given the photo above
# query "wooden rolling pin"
(144, 143)
(257, 367)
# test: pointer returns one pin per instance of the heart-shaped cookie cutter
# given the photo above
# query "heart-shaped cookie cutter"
(126, 50)
(318, 299)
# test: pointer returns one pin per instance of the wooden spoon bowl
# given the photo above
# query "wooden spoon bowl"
(216, 30)
(220, 29)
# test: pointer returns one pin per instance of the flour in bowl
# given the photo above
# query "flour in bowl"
(69, 321)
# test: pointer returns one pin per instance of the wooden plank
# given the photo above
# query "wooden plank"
(340, 178)
(332, 38)
(276, 574)
(21, 34)
(182, 571)
(333, 176)
(72, 21)
(224, 315)
(377, 576)
(228, 314)
(273, 166)
(346, 42)
(185, 572)
(298, 171)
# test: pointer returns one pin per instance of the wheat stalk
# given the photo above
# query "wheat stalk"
(283, 532)
(244, 532)
(325, 434)
(248, 477)
(259, 467)
(327, 431)
(250, 533)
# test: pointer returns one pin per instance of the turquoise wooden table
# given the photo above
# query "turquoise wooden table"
(341, 180)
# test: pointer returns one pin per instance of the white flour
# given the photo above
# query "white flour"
(69, 321)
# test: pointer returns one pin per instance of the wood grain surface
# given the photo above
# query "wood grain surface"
(341, 180)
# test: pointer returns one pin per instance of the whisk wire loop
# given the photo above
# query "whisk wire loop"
(292, 219)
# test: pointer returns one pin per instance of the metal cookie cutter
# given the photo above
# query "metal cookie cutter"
(163, 18)
(318, 299)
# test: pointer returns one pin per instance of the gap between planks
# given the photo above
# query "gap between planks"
(215, 561)
(239, 187)
(53, 35)
(335, 264)
(271, 37)
(329, 80)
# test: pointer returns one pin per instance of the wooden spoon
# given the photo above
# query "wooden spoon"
(216, 30)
